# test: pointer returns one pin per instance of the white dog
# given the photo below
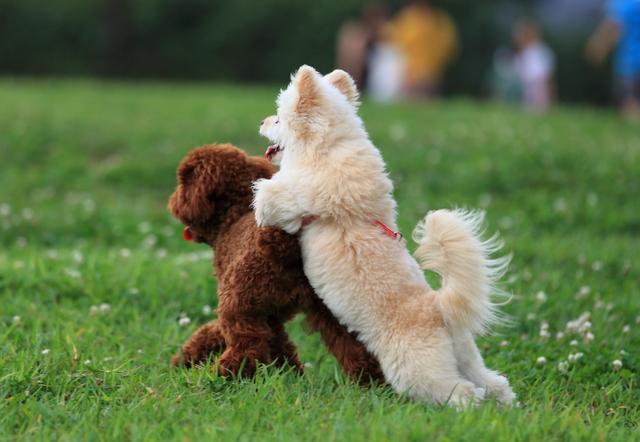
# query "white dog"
(330, 171)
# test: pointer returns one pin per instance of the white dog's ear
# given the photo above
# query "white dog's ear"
(308, 91)
(342, 81)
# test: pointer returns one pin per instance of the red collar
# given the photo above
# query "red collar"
(379, 224)
(387, 230)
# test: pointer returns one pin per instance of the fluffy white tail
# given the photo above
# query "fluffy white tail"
(450, 244)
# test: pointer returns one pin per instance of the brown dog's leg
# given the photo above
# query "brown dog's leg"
(248, 341)
(351, 354)
(283, 351)
(202, 343)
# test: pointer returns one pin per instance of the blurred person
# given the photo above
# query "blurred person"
(386, 69)
(621, 28)
(504, 82)
(428, 41)
(535, 64)
(356, 39)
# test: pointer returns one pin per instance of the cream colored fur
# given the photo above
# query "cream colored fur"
(423, 338)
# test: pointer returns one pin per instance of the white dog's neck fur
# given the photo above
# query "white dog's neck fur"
(422, 338)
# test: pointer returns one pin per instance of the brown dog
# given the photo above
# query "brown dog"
(261, 284)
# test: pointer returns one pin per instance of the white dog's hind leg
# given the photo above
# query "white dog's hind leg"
(472, 367)
(426, 369)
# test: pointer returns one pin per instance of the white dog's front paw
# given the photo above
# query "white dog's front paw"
(260, 204)
(292, 226)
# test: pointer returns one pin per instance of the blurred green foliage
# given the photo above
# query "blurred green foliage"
(249, 40)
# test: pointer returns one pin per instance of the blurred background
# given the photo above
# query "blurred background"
(469, 47)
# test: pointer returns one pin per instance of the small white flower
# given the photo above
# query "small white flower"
(573, 357)
(559, 335)
(134, 291)
(184, 321)
(573, 343)
(27, 214)
(72, 273)
(531, 316)
(563, 366)
(583, 292)
(93, 310)
(584, 327)
(150, 241)
(5, 209)
(87, 362)
(626, 329)
(144, 227)
(544, 330)
(308, 365)
(624, 352)
(589, 337)
(617, 365)
(104, 308)
(16, 319)
(45, 351)
(77, 256)
(504, 343)
(161, 253)
(560, 205)
(575, 325)
(541, 297)
(596, 266)
(139, 351)
(206, 310)
(541, 361)
(52, 254)
(88, 205)
(125, 253)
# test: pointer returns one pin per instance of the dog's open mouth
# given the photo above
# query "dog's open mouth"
(272, 151)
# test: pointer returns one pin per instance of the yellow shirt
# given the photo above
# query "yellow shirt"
(428, 40)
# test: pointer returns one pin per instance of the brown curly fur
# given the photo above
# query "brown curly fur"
(261, 284)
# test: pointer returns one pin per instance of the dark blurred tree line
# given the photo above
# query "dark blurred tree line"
(250, 40)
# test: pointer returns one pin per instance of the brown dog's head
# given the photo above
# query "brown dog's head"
(214, 187)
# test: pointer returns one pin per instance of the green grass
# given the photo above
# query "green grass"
(85, 172)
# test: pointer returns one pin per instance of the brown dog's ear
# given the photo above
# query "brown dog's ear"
(342, 81)
(305, 80)
(197, 179)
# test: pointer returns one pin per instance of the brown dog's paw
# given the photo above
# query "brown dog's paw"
(181, 360)
(233, 366)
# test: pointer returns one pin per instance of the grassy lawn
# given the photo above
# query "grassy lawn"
(94, 275)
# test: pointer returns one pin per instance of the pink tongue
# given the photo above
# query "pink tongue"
(271, 150)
